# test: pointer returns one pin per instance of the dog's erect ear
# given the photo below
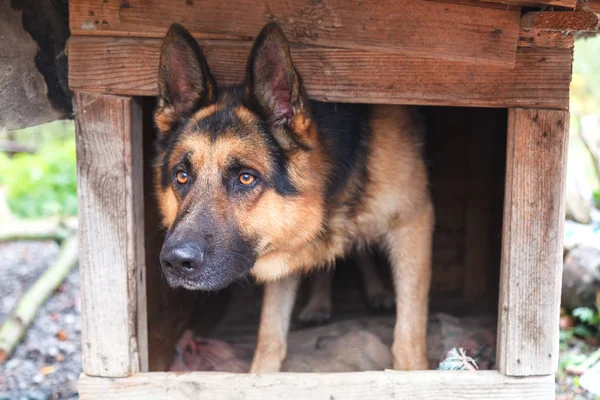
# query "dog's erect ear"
(184, 81)
(273, 85)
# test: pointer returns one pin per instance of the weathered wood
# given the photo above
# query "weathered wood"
(539, 38)
(516, 4)
(531, 272)
(562, 21)
(535, 3)
(409, 27)
(357, 385)
(541, 76)
(109, 163)
(594, 5)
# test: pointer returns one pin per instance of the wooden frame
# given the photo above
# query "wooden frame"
(424, 385)
(111, 209)
(113, 55)
(531, 277)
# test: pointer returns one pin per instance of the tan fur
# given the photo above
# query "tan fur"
(278, 302)
(411, 267)
(398, 187)
(205, 112)
(398, 204)
(164, 118)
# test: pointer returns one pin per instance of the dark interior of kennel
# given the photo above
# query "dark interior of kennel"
(466, 154)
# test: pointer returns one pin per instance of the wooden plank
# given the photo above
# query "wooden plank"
(535, 3)
(541, 76)
(531, 272)
(354, 385)
(111, 209)
(562, 21)
(594, 5)
(562, 4)
(408, 27)
(540, 38)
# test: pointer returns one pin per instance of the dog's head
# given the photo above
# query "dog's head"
(238, 173)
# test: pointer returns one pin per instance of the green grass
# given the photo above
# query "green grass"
(42, 184)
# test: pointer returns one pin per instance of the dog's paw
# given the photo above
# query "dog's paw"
(381, 300)
(315, 315)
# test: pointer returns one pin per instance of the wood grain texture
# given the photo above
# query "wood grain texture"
(531, 274)
(516, 4)
(111, 226)
(594, 5)
(540, 78)
(570, 4)
(409, 27)
(357, 385)
(540, 38)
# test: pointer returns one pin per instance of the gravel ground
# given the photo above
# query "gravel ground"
(47, 364)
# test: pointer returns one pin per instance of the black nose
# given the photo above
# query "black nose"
(184, 257)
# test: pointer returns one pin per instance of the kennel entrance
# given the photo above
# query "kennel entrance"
(459, 54)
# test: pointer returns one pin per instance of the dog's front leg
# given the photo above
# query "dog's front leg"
(409, 247)
(278, 302)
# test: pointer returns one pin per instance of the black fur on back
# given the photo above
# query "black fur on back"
(344, 133)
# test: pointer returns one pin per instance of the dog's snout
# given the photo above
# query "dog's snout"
(186, 258)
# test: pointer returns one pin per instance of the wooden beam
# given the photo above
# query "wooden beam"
(531, 274)
(111, 228)
(410, 27)
(540, 38)
(541, 76)
(594, 5)
(516, 4)
(353, 385)
(562, 21)
(568, 4)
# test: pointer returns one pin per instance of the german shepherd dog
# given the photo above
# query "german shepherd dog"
(256, 179)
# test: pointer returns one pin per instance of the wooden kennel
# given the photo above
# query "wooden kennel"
(501, 69)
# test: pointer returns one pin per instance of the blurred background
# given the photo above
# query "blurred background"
(38, 206)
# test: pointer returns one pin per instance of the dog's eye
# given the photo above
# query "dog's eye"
(182, 177)
(246, 179)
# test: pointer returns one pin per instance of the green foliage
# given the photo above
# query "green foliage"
(44, 183)
(588, 325)
(565, 337)
(597, 198)
(587, 315)
(583, 331)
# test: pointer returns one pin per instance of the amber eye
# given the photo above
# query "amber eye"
(182, 177)
(246, 179)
